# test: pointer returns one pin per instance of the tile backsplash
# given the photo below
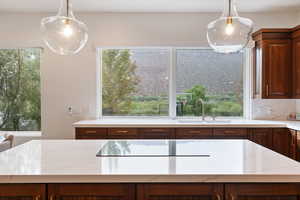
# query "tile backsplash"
(274, 109)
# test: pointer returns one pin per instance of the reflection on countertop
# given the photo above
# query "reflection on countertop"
(75, 161)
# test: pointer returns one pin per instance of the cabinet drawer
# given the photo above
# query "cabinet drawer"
(157, 133)
(91, 133)
(123, 133)
(231, 133)
(194, 133)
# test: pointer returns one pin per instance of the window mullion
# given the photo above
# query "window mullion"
(172, 84)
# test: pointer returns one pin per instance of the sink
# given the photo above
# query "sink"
(204, 122)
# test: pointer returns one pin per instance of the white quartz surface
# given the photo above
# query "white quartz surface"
(71, 161)
(132, 122)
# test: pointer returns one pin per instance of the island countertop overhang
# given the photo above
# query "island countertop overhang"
(69, 161)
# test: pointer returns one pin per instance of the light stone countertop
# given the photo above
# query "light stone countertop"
(75, 161)
(131, 122)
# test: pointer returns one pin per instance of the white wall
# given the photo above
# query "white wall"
(71, 80)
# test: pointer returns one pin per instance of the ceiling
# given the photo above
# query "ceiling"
(148, 5)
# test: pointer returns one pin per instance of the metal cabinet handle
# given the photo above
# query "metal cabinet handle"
(267, 89)
(122, 132)
(157, 130)
(230, 132)
(194, 132)
(38, 197)
(90, 132)
(218, 197)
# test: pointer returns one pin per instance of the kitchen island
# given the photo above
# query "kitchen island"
(147, 169)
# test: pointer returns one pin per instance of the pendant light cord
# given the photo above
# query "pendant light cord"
(229, 10)
(67, 8)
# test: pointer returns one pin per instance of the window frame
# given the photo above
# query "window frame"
(42, 49)
(247, 86)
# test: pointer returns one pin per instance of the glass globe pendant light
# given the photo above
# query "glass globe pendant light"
(63, 33)
(230, 33)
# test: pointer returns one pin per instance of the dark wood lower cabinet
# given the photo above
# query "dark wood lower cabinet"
(194, 133)
(179, 192)
(230, 133)
(22, 192)
(91, 192)
(282, 141)
(262, 191)
(151, 191)
(262, 136)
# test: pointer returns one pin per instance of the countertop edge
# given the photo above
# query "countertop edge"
(150, 178)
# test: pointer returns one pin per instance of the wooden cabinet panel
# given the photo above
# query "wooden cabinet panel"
(273, 63)
(230, 133)
(293, 144)
(157, 133)
(123, 133)
(296, 67)
(91, 192)
(277, 66)
(262, 136)
(298, 146)
(261, 191)
(194, 133)
(281, 141)
(91, 133)
(179, 191)
(22, 192)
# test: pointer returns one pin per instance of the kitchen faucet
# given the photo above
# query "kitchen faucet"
(202, 108)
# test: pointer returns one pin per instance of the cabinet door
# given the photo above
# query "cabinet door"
(262, 136)
(277, 66)
(262, 191)
(180, 192)
(293, 144)
(123, 133)
(91, 191)
(281, 141)
(296, 68)
(22, 192)
(157, 133)
(91, 133)
(298, 146)
(194, 133)
(230, 133)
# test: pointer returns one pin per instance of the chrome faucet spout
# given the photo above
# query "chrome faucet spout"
(202, 108)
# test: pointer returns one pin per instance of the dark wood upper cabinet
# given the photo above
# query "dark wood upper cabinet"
(91, 191)
(262, 191)
(273, 54)
(277, 55)
(22, 192)
(296, 62)
(180, 192)
(277, 63)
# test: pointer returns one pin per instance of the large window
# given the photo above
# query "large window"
(213, 78)
(171, 82)
(20, 99)
(135, 82)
